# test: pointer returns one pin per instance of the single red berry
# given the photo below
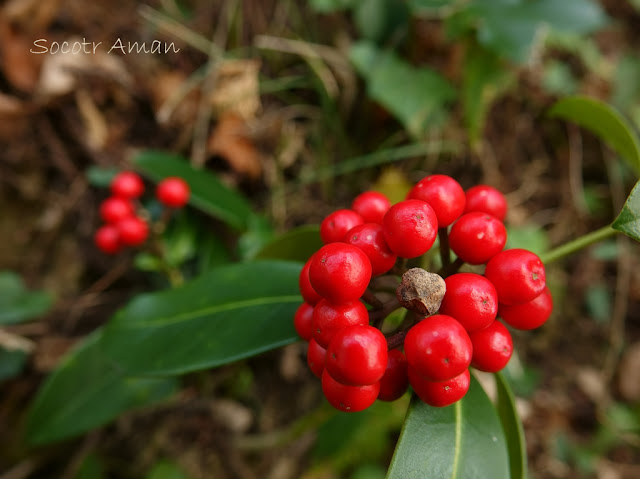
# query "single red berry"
(477, 237)
(440, 393)
(107, 239)
(410, 228)
(471, 299)
(114, 209)
(328, 318)
(335, 225)
(438, 348)
(395, 381)
(371, 206)
(316, 357)
(444, 195)
(303, 321)
(173, 192)
(492, 347)
(486, 199)
(369, 237)
(127, 184)
(357, 355)
(529, 315)
(133, 231)
(340, 272)
(517, 274)
(306, 290)
(348, 398)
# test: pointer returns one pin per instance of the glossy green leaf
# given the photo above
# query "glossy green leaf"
(208, 193)
(101, 177)
(461, 441)
(603, 121)
(628, 221)
(232, 312)
(18, 304)
(87, 390)
(297, 244)
(377, 20)
(512, 426)
(11, 363)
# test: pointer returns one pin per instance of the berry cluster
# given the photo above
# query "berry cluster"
(455, 320)
(124, 225)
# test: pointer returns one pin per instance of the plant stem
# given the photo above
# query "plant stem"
(577, 244)
(445, 254)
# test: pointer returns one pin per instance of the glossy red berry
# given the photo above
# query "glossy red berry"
(440, 393)
(173, 192)
(486, 199)
(348, 398)
(410, 228)
(477, 237)
(303, 321)
(107, 239)
(444, 195)
(114, 209)
(306, 290)
(395, 381)
(517, 274)
(328, 318)
(529, 315)
(369, 237)
(315, 357)
(471, 299)
(127, 184)
(357, 355)
(340, 272)
(371, 206)
(335, 226)
(492, 347)
(133, 231)
(438, 348)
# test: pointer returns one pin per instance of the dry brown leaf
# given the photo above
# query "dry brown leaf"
(173, 99)
(21, 68)
(14, 115)
(97, 131)
(237, 88)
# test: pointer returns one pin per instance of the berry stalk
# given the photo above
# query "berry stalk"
(577, 244)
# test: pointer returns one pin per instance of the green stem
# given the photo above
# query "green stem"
(577, 244)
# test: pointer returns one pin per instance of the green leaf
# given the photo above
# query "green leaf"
(628, 221)
(330, 6)
(166, 470)
(464, 440)
(377, 20)
(91, 468)
(297, 244)
(208, 193)
(528, 236)
(229, 313)
(17, 304)
(87, 390)
(11, 363)
(603, 121)
(512, 426)
(101, 177)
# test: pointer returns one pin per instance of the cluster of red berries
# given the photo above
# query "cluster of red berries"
(431, 352)
(124, 226)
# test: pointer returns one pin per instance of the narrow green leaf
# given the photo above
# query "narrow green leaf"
(628, 221)
(87, 390)
(208, 193)
(18, 304)
(603, 121)
(461, 441)
(297, 244)
(229, 313)
(512, 426)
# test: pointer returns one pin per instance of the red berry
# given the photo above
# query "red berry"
(107, 239)
(328, 318)
(394, 382)
(340, 272)
(357, 355)
(337, 224)
(348, 398)
(369, 237)
(114, 209)
(371, 206)
(477, 237)
(316, 357)
(302, 321)
(492, 347)
(306, 290)
(471, 299)
(127, 184)
(133, 231)
(517, 274)
(410, 228)
(173, 192)
(529, 315)
(444, 195)
(438, 348)
(440, 393)
(486, 199)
